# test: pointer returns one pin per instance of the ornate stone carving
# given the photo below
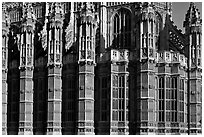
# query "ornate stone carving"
(69, 36)
(44, 37)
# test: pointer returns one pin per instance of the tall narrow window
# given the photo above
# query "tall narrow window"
(23, 53)
(52, 41)
(57, 40)
(115, 97)
(181, 100)
(199, 55)
(158, 24)
(121, 100)
(174, 99)
(158, 28)
(122, 29)
(161, 98)
(116, 31)
(168, 99)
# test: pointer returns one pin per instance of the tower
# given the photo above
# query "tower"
(193, 32)
(26, 71)
(145, 80)
(86, 25)
(54, 68)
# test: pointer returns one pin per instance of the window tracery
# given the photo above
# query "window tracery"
(122, 29)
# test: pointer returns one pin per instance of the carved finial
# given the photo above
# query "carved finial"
(86, 7)
(28, 11)
(55, 8)
(3, 7)
(69, 36)
(147, 11)
(69, 32)
(5, 15)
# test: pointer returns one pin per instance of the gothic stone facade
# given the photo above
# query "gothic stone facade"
(100, 68)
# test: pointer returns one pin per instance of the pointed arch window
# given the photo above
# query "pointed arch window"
(122, 29)
(116, 30)
(23, 53)
(158, 24)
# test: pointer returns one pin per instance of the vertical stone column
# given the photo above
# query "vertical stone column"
(26, 71)
(146, 97)
(103, 27)
(86, 61)
(5, 30)
(54, 69)
(195, 80)
(193, 31)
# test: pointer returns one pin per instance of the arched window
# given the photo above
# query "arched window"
(116, 30)
(158, 24)
(158, 27)
(122, 29)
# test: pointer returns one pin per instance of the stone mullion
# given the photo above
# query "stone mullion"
(111, 102)
(126, 99)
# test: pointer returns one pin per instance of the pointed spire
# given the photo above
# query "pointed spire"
(192, 16)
